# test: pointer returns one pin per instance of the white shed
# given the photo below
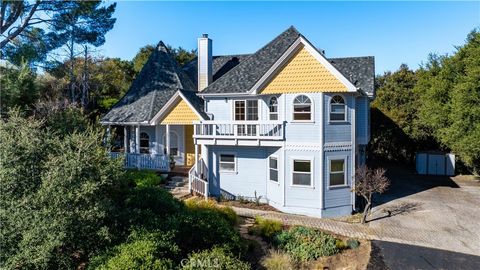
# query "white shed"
(435, 163)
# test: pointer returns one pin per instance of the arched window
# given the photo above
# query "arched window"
(273, 108)
(338, 109)
(302, 108)
(144, 143)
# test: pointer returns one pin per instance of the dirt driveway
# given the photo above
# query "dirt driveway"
(438, 212)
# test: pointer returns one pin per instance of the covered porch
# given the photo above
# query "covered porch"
(158, 147)
(166, 140)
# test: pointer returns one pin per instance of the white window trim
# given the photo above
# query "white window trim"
(164, 142)
(259, 109)
(330, 109)
(345, 171)
(235, 162)
(312, 110)
(278, 108)
(312, 169)
(278, 169)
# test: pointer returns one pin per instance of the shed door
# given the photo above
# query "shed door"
(436, 164)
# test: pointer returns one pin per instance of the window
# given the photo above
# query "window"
(239, 110)
(337, 172)
(338, 109)
(273, 108)
(302, 108)
(302, 173)
(173, 144)
(246, 110)
(273, 168)
(252, 110)
(144, 143)
(227, 163)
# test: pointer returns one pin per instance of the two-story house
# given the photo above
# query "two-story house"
(284, 123)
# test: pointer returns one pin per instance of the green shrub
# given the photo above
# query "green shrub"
(144, 178)
(211, 206)
(215, 258)
(143, 251)
(305, 244)
(340, 244)
(277, 260)
(196, 230)
(267, 227)
(353, 243)
(146, 207)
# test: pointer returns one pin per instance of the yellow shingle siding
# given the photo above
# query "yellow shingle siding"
(181, 114)
(303, 73)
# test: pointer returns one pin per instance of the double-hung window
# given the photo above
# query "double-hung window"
(227, 163)
(338, 109)
(337, 172)
(302, 172)
(273, 169)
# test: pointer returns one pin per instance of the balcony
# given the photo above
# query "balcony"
(247, 133)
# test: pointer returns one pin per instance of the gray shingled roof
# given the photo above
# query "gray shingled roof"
(221, 65)
(242, 78)
(360, 71)
(160, 78)
(196, 102)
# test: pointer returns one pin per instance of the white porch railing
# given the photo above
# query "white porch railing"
(144, 161)
(196, 184)
(266, 130)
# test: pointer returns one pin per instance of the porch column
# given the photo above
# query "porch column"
(167, 139)
(137, 139)
(196, 159)
(125, 140)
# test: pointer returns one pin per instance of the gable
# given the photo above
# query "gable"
(180, 114)
(301, 74)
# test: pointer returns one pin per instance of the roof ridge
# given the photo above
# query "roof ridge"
(277, 38)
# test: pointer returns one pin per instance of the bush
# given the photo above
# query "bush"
(144, 178)
(277, 260)
(266, 228)
(211, 206)
(340, 244)
(143, 251)
(353, 243)
(196, 230)
(215, 258)
(305, 244)
(146, 207)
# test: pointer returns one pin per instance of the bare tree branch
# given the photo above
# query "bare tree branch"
(22, 26)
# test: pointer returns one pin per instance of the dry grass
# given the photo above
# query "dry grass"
(277, 260)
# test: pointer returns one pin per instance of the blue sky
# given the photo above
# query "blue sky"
(393, 32)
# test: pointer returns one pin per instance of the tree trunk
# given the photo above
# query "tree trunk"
(366, 211)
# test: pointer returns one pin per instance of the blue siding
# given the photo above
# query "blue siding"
(305, 197)
(361, 124)
(250, 176)
(338, 197)
(338, 132)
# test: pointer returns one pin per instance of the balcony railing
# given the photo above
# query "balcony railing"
(266, 130)
(143, 161)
